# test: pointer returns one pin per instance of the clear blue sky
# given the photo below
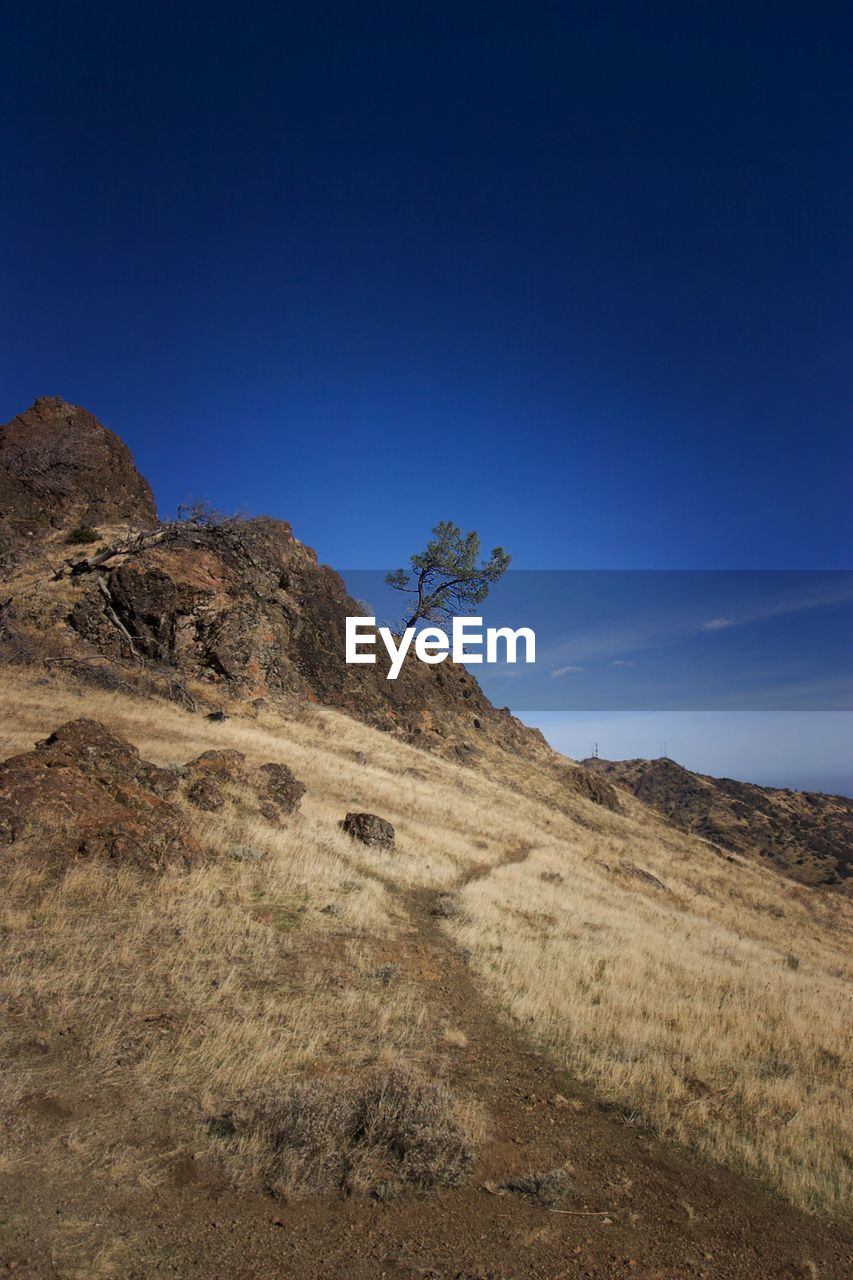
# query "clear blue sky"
(577, 275)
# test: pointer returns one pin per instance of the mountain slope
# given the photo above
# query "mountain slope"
(517, 953)
(595, 1043)
(806, 835)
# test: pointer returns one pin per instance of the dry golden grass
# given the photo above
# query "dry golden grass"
(682, 1008)
(714, 1007)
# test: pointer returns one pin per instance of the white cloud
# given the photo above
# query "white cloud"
(561, 671)
(623, 662)
(717, 624)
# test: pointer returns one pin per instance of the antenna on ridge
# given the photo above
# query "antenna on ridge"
(595, 751)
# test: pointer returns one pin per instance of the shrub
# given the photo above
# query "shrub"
(446, 907)
(387, 1133)
(83, 533)
(543, 1188)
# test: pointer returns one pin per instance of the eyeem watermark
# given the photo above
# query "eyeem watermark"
(433, 645)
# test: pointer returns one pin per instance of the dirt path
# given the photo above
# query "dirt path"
(632, 1206)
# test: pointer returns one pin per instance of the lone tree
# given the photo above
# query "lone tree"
(445, 578)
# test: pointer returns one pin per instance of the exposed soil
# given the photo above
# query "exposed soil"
(629, 1207)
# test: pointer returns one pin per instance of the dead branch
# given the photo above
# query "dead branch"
(110, 613)
(130, 545)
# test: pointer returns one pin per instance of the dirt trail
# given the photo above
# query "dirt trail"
(633, 1206)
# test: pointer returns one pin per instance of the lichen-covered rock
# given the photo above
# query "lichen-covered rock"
(370, 829)
(207, 793)
(90, 747)
(223, 765)
(209, 776)
(163, 782)
(271, 790)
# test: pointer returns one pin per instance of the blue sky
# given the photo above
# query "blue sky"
(577, 276)
(766, 640)
(807, 751)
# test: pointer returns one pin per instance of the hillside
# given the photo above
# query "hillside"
(207, 608)
(532, 1030)
(806, 835)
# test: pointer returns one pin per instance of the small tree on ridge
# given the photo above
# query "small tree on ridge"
(445, 578)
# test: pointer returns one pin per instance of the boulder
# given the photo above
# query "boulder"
(209, 776)
(370, 829)
(90, 747)
(279, 791)
(271, 790)
(207, 793)
(82, 793)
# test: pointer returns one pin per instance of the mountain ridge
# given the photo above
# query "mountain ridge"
(803, 834)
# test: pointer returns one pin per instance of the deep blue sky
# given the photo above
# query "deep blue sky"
(577, 275)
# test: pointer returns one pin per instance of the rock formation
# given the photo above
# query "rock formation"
(60, 468)
(83, 792)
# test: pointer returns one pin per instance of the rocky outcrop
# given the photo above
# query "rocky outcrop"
(239, 606)
(596, 789)
(216, 776)
(806, 835)
(60, 468)
(244, 605)
(83, 792)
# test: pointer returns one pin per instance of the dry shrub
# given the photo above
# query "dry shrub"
(542, 1188)
(446, 907)
(379, 1136)
(82, 534)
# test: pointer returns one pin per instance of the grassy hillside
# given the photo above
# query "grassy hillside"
(704, 999)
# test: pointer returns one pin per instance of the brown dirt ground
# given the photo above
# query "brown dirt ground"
(634, 1208)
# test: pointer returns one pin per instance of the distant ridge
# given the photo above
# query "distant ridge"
(803, 834)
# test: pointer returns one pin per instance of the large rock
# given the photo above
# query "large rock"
(216, 776)
(280, 793)
(82, 793)
(60, 468)
(370, 829)
(86, 792)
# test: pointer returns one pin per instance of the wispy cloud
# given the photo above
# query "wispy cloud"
(651, 629)
(562, 671)
(623, 662)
